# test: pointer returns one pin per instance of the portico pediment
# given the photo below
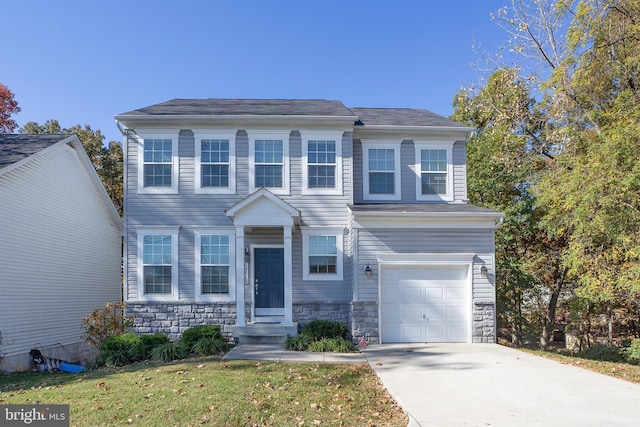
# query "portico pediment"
(263, 208)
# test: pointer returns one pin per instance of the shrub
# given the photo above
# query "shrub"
(206, 346)
(319, 329)
(105, 322)
(121, 350)
(149, 342)
(631, 352)
(194, 334)
(299, 343)
(603, 353)
(167, 352)
(336, 345)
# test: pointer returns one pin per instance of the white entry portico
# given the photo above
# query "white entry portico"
(261, 210)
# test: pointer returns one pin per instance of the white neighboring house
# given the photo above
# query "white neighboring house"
(60, 247)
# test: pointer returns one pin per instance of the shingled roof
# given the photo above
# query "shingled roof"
(244, 107)
(14, 148)
(401, 117)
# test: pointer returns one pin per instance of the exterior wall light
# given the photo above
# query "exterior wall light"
(483, 271)
(367, 271)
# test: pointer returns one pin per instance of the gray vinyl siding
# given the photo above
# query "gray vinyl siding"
(59, 250)
(189, 210)
(408, 174)
(375, 242)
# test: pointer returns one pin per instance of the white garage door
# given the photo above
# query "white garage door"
(424, 304)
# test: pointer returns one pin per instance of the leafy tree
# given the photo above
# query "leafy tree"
(108, 160)
(8, 106)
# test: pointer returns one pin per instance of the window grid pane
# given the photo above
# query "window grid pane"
(214, 159)
(157, 264)
(382, 171)
(433, 164)
(269, 163)
(157, 162)
(321, 157)
(323, 255)
(214, 264)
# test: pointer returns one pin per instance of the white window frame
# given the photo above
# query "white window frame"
(393, 145)
(322, 136)
(222, 134)
(231, 296)
(174, 163)
(269, 135)
(339, 235)
(434, 145)
(174, 295)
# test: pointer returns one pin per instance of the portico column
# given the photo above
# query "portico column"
(288, 276)
(240, 277)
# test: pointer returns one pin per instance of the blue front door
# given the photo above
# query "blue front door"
(269, 280)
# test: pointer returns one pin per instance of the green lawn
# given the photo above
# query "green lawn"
(207, 391)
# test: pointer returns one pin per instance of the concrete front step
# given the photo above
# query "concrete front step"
(264, 333)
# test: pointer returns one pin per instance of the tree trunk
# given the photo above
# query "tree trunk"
(549, 321)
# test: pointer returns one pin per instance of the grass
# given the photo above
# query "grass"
(207, 391)
(620, 370)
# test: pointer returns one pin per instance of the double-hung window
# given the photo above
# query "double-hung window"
(269, 162)
(322, 254)
(215, 163)
(381, 180)
(434, 171)
(158, 168)
(322, 163)
(157, 266)
(215, 270)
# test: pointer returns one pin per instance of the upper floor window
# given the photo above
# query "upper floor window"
(269, 162)
(215, 164)
(157, 164)
(322, 254)
(434, 170)
(157, 268)
(322, 163)
(381, 179)
(214, 264)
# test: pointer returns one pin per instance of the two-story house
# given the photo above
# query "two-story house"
(262, 214)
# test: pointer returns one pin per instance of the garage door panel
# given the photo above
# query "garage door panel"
(424, 304)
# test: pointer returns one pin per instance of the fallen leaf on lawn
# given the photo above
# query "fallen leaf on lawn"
(200, 366)
(169, 410)
(100, 384)
(314, 406)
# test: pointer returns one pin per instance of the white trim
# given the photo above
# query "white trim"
(158, 231)
(175, 162)
(426, 258)
(267, 311)
(222, 134)
(269, 135)
(381, 144)
(338, 233)
(433, 145)
(231, 296)
(335, 136)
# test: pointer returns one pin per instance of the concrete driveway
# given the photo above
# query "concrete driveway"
(491, 385)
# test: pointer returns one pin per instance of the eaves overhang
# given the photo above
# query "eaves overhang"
(378, 131)
(168, 120)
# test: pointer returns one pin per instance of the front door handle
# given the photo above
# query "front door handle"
(256, 286)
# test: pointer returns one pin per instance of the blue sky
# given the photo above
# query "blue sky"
(82, 62)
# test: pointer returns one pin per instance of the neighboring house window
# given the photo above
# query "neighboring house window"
(322, 254)
(322, 163)
(157, 254)
(215, 269)
(381, 179)
(157, 164)
(269, 162)
(434, 170)
(215, 164)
